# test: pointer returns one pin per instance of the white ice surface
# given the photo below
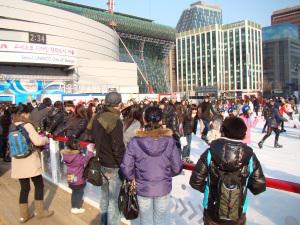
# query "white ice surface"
(268, 208)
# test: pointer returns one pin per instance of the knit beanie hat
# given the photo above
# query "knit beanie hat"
(113, 99)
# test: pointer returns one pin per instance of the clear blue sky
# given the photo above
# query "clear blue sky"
(168, 12)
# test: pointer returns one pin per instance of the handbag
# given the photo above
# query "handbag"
(127, 202)
(93, 173)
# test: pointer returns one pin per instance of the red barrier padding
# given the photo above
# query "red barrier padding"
(283, 185)
(83, 144)
(271, 182)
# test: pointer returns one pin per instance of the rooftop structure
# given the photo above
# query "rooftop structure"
(280, 31)
(148, 42)
(198, 15)
(287, 15)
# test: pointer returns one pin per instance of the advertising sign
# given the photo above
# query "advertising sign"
(36, 58)
(23, 52)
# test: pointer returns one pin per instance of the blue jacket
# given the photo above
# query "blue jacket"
(152, 159)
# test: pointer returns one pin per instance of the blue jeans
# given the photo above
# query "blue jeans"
(109, 210)
(187, 149)
(206, 127)
(154, 211)
(77, 197)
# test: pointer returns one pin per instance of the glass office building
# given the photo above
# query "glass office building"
(228, 57)
(281, 58)
(199, 15)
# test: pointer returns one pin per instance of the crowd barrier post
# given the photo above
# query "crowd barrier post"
(54, 152)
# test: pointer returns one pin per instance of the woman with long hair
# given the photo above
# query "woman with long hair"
(30, 167)
(150, 161)
(132, 121)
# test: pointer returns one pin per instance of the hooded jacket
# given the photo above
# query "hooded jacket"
(152, 159)
(76, 162)
(227, 155)
(107, 133)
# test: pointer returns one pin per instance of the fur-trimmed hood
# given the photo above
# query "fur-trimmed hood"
(154, 142)
(69, 155)
(69, 152)
(156, 133)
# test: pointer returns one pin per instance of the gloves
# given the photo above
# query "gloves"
(91, 147)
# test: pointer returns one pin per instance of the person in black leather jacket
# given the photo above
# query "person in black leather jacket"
(228, 154)
(53, 118)
(76, 125)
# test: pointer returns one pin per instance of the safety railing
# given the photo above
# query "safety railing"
(272, 207)
(271, 182)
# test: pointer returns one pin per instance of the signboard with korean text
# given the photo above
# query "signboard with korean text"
(22, 52)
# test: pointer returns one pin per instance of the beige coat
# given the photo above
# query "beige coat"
(30, 166)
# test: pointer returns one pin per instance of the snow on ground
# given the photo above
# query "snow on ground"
(269, 208)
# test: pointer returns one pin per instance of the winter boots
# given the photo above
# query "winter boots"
(24, 213)
(260, 144)
(40, 211)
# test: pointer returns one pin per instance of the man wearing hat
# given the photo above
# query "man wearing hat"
(107, 132)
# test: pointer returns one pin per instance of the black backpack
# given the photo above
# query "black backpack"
(231, 200)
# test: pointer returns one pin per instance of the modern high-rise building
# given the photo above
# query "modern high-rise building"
(199, 15)
(287, 15)
(226, 57)
(281, 58)
(243, 66)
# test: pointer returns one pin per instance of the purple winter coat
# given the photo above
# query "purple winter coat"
(76, 162)
(152, 159)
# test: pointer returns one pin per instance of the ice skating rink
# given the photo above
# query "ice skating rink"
(271, 207)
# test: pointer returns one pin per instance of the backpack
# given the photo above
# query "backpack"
(231, 190)
(19, 142)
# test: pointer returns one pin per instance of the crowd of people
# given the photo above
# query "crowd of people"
(146, 142)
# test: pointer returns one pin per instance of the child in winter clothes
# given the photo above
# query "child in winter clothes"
(215, 132)
(245, 116)
(76, 161)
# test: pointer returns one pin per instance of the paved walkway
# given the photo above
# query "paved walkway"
(55, 199)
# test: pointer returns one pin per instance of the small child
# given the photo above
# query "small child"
(232, 111)
(76, 161)
(250, 123)
(215, 132)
